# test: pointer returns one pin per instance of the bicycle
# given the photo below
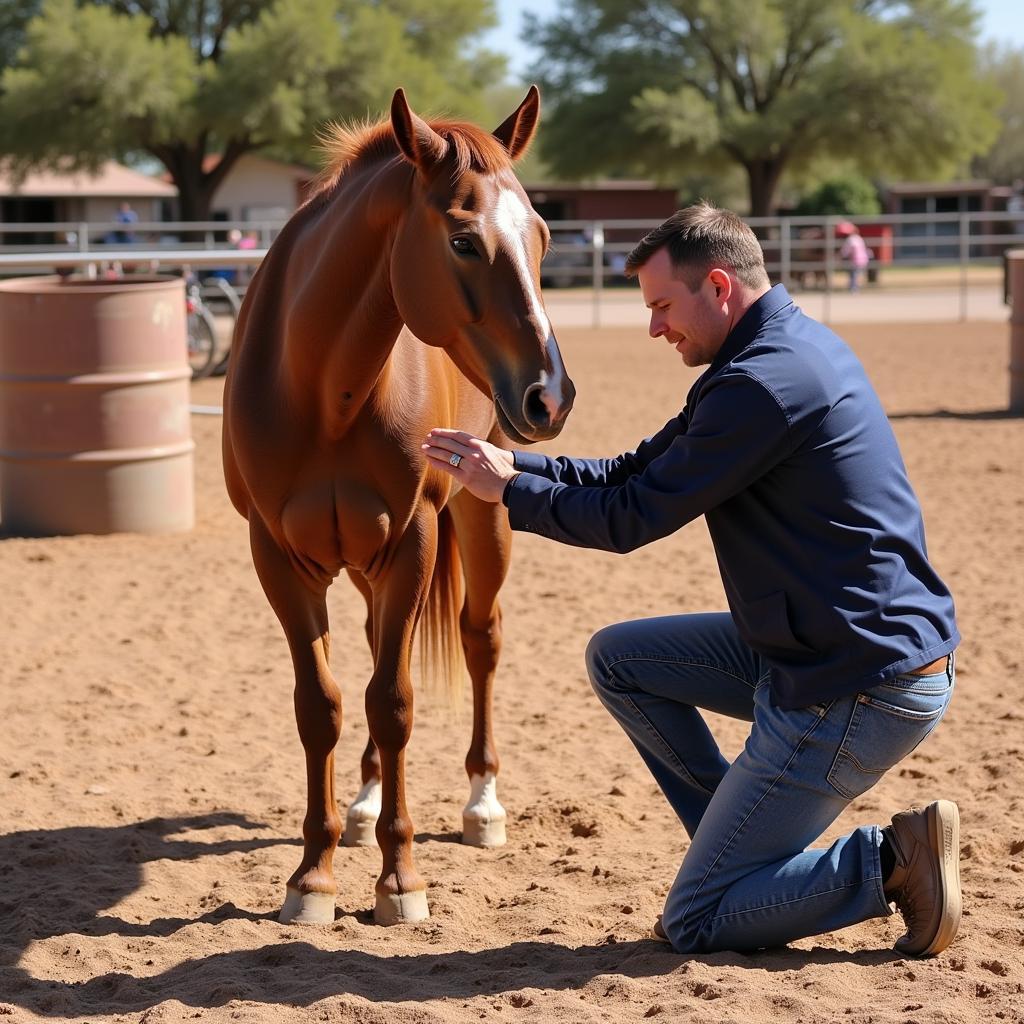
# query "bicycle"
(225, 295)
(202, 331)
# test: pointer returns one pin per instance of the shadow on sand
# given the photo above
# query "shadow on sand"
(976, 415)
(42, 870)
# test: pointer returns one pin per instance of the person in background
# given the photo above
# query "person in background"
(854, 251)
(127, 216)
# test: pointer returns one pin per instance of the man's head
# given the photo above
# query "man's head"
(699, 272)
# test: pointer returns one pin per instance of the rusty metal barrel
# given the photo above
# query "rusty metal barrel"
(1015, 270)
(95, 433)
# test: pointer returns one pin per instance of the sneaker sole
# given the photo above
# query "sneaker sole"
(944, 825)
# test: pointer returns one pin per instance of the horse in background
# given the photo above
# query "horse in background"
(402, 296)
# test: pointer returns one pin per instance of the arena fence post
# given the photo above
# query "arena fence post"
(830, 267)
(1015, 267)
(965, 257)
(785, 253)
(597, 272)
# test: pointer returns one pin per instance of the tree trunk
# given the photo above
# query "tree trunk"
(196, 186)
(195, 200)
(763, 178)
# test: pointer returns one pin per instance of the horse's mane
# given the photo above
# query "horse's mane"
(344, 144)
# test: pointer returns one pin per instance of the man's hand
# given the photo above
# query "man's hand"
(482, 468)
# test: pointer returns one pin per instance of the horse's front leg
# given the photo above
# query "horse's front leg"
(485, 543)
(398, 598)
(310, 893)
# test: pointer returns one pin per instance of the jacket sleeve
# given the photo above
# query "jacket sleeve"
(738, 431)
(602, 472)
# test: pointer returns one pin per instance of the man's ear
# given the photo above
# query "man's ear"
(419, 143)
(722, 282)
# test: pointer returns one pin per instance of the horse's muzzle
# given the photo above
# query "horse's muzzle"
(544, 411)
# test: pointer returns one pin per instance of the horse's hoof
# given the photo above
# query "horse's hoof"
(483, 818)
(361, 820)
(483, 832)
(307, 907)
(401, 908)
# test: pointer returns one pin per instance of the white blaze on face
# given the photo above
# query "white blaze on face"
(512, 219)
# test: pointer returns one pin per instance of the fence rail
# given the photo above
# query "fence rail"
(802, 252)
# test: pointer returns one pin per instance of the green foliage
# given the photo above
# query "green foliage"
(65, 99)
(726, 187)
(182, 80)
(664, 87)
(1004, 162)
(14, 16)
(851, 194)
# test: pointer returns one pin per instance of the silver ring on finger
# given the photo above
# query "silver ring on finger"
(454, 459)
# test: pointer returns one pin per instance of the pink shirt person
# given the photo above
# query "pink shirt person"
(855, 250)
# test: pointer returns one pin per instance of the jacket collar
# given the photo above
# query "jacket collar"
(743, 333)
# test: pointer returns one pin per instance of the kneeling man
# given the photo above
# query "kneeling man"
(838, 644)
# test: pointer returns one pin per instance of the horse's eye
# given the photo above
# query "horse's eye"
(463, 246)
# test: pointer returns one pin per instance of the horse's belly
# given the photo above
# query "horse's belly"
(336, 525)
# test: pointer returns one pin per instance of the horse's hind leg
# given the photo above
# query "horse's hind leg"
(397, 602)
(485, 543)
(363, 812)
(311, 889)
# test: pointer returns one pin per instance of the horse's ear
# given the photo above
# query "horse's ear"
(516, 131)
(419, 143)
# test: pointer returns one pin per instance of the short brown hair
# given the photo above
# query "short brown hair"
(699, 237)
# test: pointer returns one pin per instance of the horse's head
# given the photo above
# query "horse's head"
(465, 265)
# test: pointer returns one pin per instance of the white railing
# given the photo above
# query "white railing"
(799, 251)
(82, 236)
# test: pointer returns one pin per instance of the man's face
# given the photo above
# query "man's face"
(694, 323)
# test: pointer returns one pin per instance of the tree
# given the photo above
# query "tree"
(662, 86)
(14, 16)
(185, 81)
(1004, 162)
(850, 194)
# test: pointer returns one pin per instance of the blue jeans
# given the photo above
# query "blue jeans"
(748, 880)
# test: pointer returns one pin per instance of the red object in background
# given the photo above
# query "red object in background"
(879, 239)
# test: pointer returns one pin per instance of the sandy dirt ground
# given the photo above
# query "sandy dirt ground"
(151, 778)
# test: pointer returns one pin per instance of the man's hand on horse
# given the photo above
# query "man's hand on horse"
(482, 468)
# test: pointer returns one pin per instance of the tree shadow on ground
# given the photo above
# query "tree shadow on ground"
(57, 882)
(300, 974)
(46, 875)
(53, 881)
(974, 415)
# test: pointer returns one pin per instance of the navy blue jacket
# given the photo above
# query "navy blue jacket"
(784, 447)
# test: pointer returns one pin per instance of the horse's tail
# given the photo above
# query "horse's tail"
(440, 639)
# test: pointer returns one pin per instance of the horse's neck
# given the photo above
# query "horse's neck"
(342, 322)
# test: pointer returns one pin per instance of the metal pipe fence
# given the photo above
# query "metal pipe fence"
(586, 257)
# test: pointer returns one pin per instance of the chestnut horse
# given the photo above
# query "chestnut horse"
(403, 295)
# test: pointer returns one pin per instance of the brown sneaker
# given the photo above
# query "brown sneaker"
(925, 882)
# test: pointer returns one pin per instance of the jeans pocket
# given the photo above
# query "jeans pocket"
(887, 722)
